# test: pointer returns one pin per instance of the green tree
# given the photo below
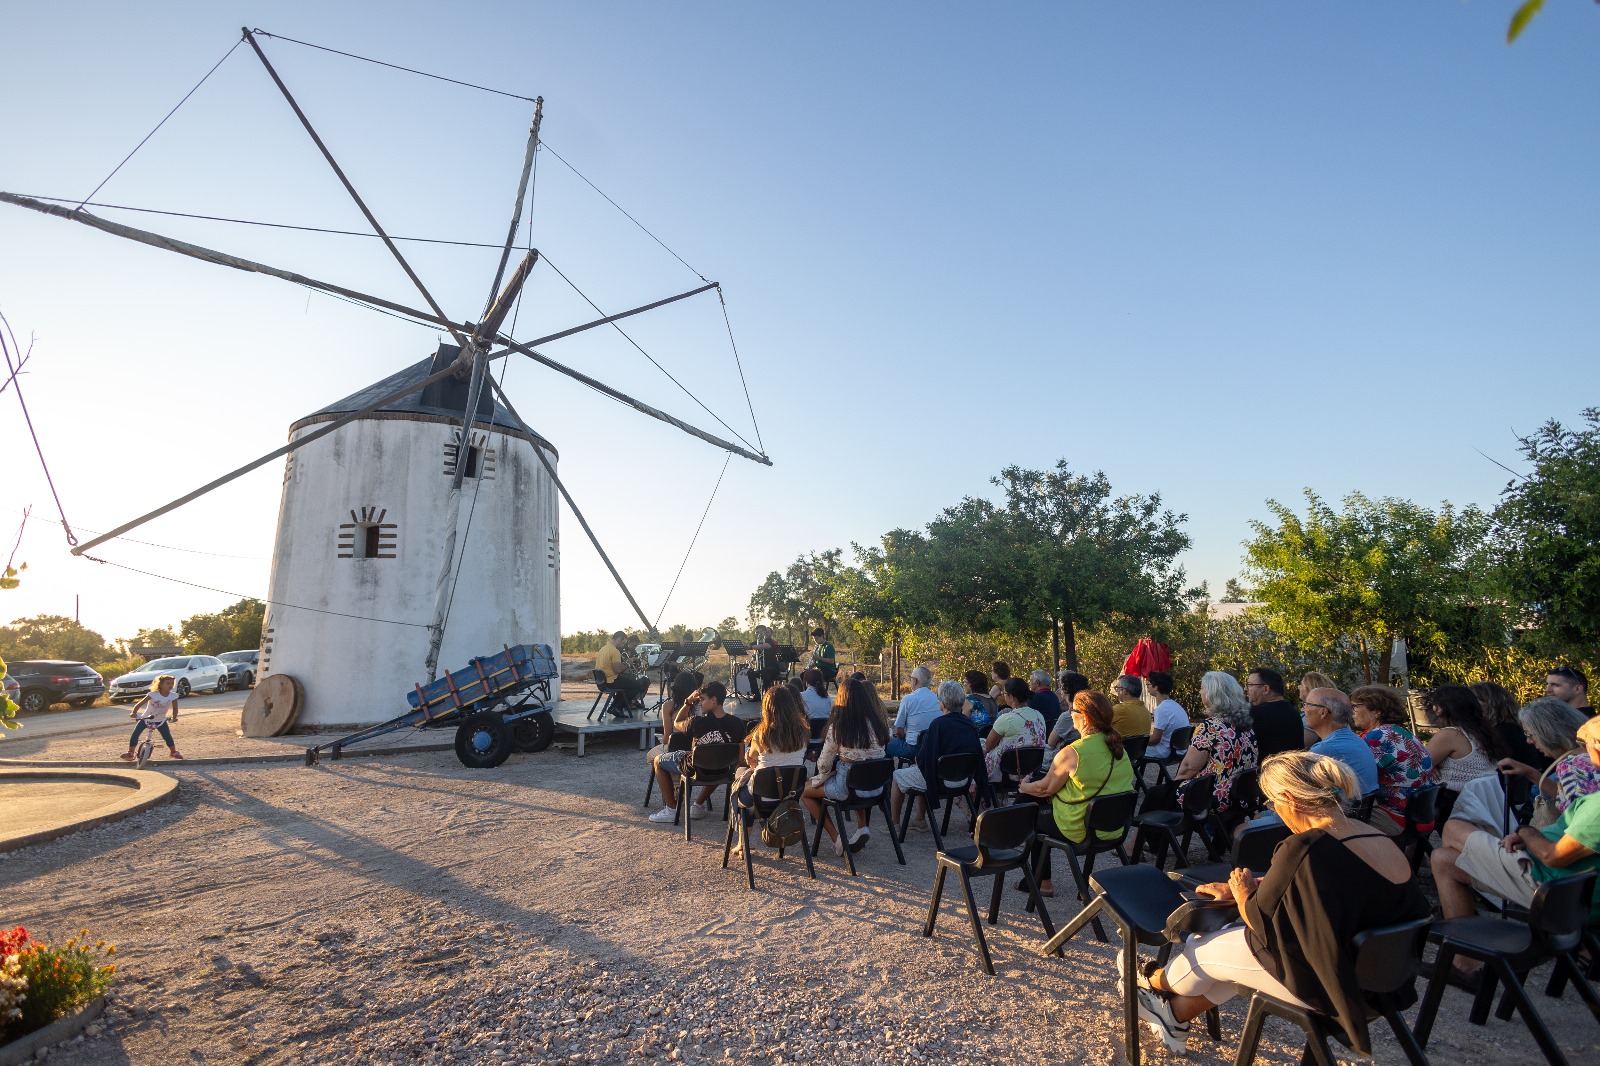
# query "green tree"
(234, 627)
(1376, 571)
(791, 602)
(1547, 537)
(51, 636)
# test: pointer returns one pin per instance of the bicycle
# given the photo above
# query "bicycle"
(147, 743)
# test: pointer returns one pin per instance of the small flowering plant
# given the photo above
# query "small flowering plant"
(40, 983)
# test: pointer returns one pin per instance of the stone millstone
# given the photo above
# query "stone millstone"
(273, 706)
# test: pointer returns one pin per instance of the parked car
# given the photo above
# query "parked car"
(13, 690)
(193, 673)
(241, 667)
(43, 682)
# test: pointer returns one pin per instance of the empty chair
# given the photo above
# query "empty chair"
(1105, 814)
(770, 788)
(707, 764)
(1253, 846)
(1001, 842)
(1508, 950)
(1422, 814)
(1176, 829)
(611, 693)
(1015, 764)
(1182, 737)
(866, 788)
(1245, 800)
(1135, 749)
(819, 726)
(957, 776)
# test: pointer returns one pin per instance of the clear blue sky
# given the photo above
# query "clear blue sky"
(1222, 252)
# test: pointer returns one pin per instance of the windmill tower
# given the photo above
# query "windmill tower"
(418, 518)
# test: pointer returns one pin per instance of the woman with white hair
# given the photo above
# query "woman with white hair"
(1225, 742)
(1553, 727)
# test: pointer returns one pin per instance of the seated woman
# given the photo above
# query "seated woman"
(1019, 726)
(1503, 715)
(818, 704)
(1553, 727)
(779, 739)
(981, 707)
(1094, 765)
(1464, 748)
(675, 714)
(1071, 683)
(1334, 875)
(1225, 742)
(857, 731)
(1404, 764)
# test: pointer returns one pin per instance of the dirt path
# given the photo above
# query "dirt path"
(409, 910)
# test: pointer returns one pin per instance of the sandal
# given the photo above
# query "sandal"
(127, 756)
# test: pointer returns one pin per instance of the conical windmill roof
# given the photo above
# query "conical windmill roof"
(443, 401)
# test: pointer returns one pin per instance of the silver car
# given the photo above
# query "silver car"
(193, 673)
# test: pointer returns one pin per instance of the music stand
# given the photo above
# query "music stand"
(787, 656)
(735, 648)
(666, 669)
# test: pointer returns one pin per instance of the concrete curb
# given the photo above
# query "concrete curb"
(24, 1048)
(297, 756)
(145, 789)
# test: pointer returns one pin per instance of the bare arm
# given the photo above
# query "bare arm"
(1194, 760)
(1063, 766)
(1447, 743)
(1558, 854)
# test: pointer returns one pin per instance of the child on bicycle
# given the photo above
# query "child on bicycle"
(159, 705)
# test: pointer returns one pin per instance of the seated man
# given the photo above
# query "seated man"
(950, 733)
(713, 725)
(1328, 715)
(1044, 699)
(1512, 868)
(608, 660)
(918, 708)
(1130, 716)
(1168, 717)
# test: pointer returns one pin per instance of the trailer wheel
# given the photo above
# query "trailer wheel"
(483, 741)
(535, 732)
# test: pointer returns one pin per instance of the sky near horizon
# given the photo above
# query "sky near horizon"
(1221, 252)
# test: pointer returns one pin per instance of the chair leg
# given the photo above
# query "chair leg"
(840, 821)
(816, 844)
(888, 827)
(749, 862)
(933, 902)
(1433, 994)
(994, 898)
(727, 844)
(1579, 981)
(1489, 981)
(949, 805)
(1530, 1015)
(685, 797)
(1214, 1025)
(650, 786)
(933, 824)
(910, 801)
(1408, 1043)
(1128, 962)
(1250, 1038)
(1035, 900)
(972, 916)
(805, 848)
(1091, 913)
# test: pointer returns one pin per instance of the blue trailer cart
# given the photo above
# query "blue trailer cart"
(496, 704)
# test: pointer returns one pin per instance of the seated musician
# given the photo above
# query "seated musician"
(631, 686)
(765, 669)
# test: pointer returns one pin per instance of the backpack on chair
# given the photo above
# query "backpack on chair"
(785, 826)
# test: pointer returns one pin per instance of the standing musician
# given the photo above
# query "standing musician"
(765, 669)
(823, 657)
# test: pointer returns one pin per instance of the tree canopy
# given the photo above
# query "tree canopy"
(230, 629)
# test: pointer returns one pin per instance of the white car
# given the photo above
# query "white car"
(193, 672)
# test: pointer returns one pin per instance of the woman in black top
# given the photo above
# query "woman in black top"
(1333, 878)
(1500, 710)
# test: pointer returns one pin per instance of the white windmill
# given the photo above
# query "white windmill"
(378, 486)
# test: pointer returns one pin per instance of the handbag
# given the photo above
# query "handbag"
(1545, 811)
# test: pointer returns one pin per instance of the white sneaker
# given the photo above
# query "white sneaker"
(838, 846)
(1156, 1012)
(665, 814)
(860, 838)
(700, 810)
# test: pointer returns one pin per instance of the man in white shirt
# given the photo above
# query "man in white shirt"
(1168, 716)
(918, 708)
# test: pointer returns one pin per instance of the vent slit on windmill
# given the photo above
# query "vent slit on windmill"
(391, 429)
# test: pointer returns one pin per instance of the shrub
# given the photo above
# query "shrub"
(56, 980)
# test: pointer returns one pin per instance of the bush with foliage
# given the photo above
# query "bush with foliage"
(54, 981)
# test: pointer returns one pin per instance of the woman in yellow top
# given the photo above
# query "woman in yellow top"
(1094, 766)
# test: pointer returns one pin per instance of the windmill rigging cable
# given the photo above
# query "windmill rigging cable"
(163, 122)
(72, 539)
(761, 444)
(392, 66)
(175, 548)
(725, 461)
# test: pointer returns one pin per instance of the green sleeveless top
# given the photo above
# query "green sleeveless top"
(1070, 805)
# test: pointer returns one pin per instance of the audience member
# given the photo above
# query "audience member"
(857, 731)
(1333, 875)
(1043, 699)
(951, 733)
(713, 725)
(1569, 684)
(1094, 765)
(1168, 717)
(1329, 715)
(1132, 717)
(1020, 726)
(1277, 723)
(1403, 762)
(981, 707)
(1568, 773)
(676, 711)
(815, 695)
(779, 739)
(1000, 672)
(918, 708)
(1512, 868)
(1463, 746)
(1501, 712)
(1071, 683)
(1311, 679)
(1225, 742)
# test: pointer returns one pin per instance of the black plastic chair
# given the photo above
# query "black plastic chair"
(868, 788)
(1509, 950)
(1148, 908)
(1197, 814)
(678, 741)
(1518, 806)
(1386, 961)
(1253, 846)
(1422, 816)
(1245, 798)
(770, 786)
(1001, 842)
(1015, 764)
(611, 693)
(819, 729)
(1134, 748)
(957, 775)
(1110, 814)
(706, 764)
(1182, 737)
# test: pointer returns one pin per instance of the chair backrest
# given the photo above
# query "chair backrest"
(869, 775)
(1244, 794)
(773, 783)
(819, 727)
(1182, 737)
(1518, 798)
(1017, 763)
(1111, 814)
(1560, 910)
(1004, 834)
(1423, 806)
(713, 758)
(1199, 795)
(1135, 748)
(1387, 958)
(600, 681)
(1253, 848)
(680, 740)
(955, 772)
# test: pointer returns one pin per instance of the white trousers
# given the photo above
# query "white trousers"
(1219, 965)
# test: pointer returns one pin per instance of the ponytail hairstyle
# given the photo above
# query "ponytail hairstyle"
(814, 680)
(1315, 783)
(1097, 715)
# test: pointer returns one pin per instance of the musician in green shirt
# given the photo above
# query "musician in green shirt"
(823, 656)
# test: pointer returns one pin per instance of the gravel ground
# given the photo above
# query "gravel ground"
(410, 910)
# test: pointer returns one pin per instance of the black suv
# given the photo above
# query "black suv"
(47, 681)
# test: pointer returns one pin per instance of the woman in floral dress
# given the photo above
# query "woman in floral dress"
(1404, 764)
(1225, 742)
